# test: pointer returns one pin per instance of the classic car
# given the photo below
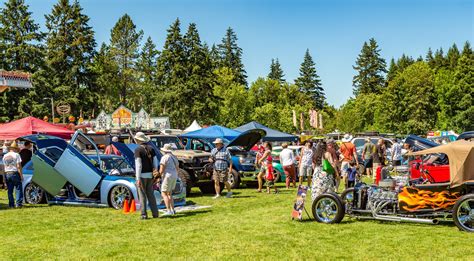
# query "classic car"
(403, 200)
(243, 160)
(76, 174)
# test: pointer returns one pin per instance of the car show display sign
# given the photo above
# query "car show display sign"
(103, 122)
(298, 207)
(122, 117)
(125, 118)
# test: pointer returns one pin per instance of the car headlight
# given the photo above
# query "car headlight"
(242, 160)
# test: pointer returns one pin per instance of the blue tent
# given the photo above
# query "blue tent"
(272, 135)
(213, 132)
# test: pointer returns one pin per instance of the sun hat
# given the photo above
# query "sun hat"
(13, 145)
(367, 139)
(140, 136)
(347, 138)
(115, 139)
(167, 148)
(218, 141)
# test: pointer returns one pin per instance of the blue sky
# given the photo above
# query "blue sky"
(334, 31)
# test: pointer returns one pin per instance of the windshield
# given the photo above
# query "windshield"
(160, 141)
(111, 163)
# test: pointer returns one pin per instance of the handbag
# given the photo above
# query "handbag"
(327, 167)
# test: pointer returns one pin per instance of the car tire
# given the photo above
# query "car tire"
(462, 213)
(234, 179)
(186, 179)
(34, 194)
(277, 175)
(344, 195)
(328, 208)
(118, 194)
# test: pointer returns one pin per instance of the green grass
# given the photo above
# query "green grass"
(249, 226)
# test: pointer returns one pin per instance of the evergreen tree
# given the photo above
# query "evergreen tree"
(107, 80)
(231, 56)
(124, 48)
(404, 61)
(370, 67)
(276, 72)
(467, 50)
(146, 67)
(439, 59)
(392, 70)
(20, 50)
(430, 58)
(452, 56)
(463, 119)
(309, 82)
(70, 50)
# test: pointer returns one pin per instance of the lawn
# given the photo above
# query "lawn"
(248, 226)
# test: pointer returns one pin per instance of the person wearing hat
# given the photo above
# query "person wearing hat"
(146, 163)
(348, 151)
(111, 149)
(169, 166)
(222, 160)
(367, 156)
(13, 176)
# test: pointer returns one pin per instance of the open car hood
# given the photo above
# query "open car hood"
(248, 139)
(128, 151)
(418, 143)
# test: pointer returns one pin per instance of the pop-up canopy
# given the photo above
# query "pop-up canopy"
(193, 127)
(213, 132)
(31, 125)
(272, 135)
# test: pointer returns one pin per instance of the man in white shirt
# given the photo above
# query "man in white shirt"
(13, 176)
(287, 160)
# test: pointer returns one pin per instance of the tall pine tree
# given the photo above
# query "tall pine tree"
(231, 56)
(452, 56)
(276, 72)
(20, 50)
(370, 67)
(124, 48)
(146, 67)
(309, 82)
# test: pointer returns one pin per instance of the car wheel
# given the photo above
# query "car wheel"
(118, 195)
(186, 179)
(33, 194)
(347, 197)
(463, 213)
(277, 175)
(328, 208)
(234, 179)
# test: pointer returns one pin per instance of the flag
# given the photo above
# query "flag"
(315, 120)
(301, 121)
(311, 117)
(294, 119)
(320, 121)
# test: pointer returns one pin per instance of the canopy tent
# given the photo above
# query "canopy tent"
(193, 127)
(31, 125)
(461, 160)
(272, 135)
(212, 132)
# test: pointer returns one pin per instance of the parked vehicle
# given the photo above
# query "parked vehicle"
(61, 173)
(468, 135)
(243, 160)
(411, 201)
(359, 143)
(191, 162)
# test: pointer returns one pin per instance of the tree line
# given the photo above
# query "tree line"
(188, 79)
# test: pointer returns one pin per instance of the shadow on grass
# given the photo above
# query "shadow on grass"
(187, 214)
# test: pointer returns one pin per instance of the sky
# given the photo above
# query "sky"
(333, 31)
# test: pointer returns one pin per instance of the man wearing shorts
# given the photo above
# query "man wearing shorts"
(367, 156)
(287, 159)
(222, 167)
(306, 162)
(348, 151)
(169, 166)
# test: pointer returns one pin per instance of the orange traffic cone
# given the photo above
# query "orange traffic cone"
(126, 207)
(133, 207)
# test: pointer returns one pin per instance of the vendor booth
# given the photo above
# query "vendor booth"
(272, 135)
(31, 125)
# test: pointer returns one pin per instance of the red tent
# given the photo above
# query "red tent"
(32, 125)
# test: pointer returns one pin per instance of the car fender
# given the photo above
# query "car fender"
(110, 181)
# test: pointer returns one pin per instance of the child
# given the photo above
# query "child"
(351, 178)
(270, 178)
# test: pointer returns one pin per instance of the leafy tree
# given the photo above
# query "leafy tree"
(20, 50)
(309, 81)
(231, 56)
(276, 72)
(463, 119)
(124, 48)
(370, 67)
(70, 48)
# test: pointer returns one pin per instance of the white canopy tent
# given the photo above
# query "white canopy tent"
(193, 127)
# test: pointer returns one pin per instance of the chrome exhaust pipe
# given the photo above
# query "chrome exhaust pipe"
(405, 219)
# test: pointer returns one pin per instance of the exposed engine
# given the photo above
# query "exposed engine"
(382, 199)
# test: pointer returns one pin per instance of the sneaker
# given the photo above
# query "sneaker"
(173, 211)
(229, 194)
(216, 196)
(144, 217)
(167, 213)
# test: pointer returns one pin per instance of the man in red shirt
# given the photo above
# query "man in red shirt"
(348, 151)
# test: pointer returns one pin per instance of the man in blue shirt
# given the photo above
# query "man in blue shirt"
(222, 160)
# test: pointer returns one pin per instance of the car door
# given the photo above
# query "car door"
(44, 174)
(81, 171)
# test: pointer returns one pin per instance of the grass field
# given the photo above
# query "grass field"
(248, 226)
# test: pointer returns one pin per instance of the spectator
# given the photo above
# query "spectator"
(306, 162)
(378, 157)
(324, 178)
(13, 176)
(351, 177)
(111, 149)
(169, 166)
(349, 154)
(367, 156)
(288, 161)
(26, 153)
(222, 167)
(396, 153)
(146, 163)
(264, 161)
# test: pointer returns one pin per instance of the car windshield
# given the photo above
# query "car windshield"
(160, 141)
(111, 163)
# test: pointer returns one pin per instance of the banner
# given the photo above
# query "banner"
(295, 124)
(301, 122)
(320, 121)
